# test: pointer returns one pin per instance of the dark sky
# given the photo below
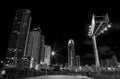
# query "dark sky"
(59, 25)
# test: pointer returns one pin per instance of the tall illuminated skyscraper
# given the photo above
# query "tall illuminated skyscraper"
(19, 37)
(71, 53)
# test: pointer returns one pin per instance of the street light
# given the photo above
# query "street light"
(52, 56)
(97, 27)
(53, 53)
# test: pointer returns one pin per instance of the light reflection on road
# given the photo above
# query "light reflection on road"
(59, 77)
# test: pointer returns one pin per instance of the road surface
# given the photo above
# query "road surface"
(59, 77)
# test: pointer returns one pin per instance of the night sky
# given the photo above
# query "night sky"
(60, 25)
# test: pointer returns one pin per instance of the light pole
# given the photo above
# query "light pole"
(98, 25)
(52, 55)
(95, 51)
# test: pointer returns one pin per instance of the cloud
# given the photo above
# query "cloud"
(105, 50)
(115, 48)
(116, 26)
(89, 55)
(88, 42)
(102, 51)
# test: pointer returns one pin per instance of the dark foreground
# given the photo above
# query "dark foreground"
(25, 73)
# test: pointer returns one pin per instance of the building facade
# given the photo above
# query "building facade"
(19, 37)
(71, 53)
(35, 47)
(47, 54)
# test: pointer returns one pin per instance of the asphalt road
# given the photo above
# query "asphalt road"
(59, 77)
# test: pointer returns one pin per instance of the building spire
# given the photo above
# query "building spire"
(71, 41)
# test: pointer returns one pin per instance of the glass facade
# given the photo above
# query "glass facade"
(18, 39)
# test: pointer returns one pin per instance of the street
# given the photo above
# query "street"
(59, 77)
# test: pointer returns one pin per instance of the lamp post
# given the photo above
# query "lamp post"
(95, 51)
(52, 55)
(98, 25)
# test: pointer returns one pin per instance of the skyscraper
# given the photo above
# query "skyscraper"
(71, 53)
(77, 60)
(35, 47)
(19, 36)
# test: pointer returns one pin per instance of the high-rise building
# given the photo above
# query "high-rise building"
(71, 53)
(19, 37)
(47, 54)
(35, 47)
(77, 60)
